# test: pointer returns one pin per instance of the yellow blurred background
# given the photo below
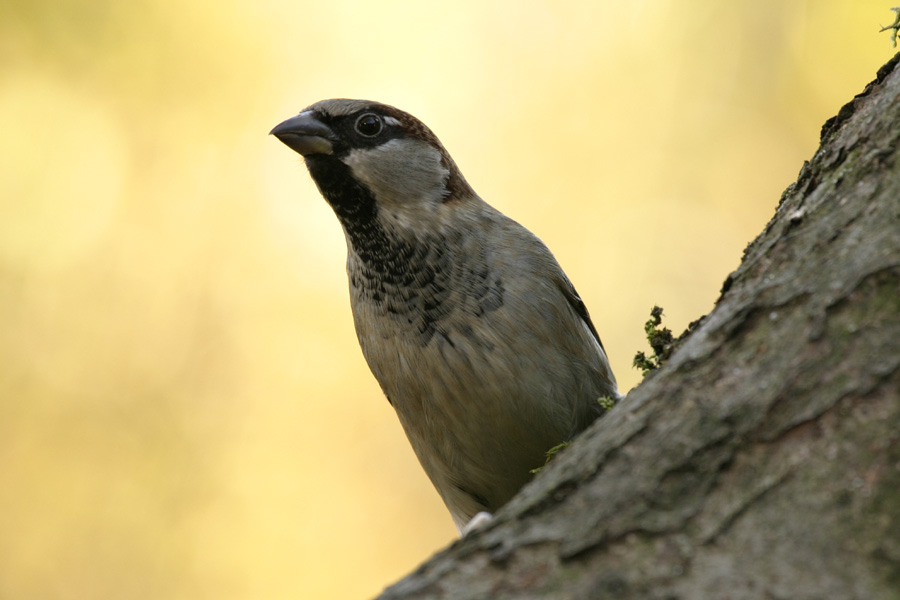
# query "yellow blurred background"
(184, 410)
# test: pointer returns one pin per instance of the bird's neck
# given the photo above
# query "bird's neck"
(380, 251)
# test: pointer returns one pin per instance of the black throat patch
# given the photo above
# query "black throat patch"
(420, 281)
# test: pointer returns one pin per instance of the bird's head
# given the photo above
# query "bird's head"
(372, 159)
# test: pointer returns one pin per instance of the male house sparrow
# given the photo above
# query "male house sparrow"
(475, 334)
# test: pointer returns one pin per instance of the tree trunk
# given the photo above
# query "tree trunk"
(763, 459)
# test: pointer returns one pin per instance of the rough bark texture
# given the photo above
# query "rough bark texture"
(763, 459)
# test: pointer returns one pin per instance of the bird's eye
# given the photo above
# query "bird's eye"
(369, 125)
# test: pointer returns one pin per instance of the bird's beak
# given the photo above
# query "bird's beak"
(305, 134)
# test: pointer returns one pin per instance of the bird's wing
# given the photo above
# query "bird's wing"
(577, 304)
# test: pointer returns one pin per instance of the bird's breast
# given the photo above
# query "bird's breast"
(416, 292)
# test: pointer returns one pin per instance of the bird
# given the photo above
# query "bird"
(472, 329)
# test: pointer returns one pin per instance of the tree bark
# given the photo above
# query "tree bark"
(763, 459)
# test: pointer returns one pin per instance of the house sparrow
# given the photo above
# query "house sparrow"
(475, 334)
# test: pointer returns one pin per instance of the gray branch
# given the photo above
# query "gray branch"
(763, 459)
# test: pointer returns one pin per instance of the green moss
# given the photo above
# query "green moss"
(661, 341)
(550, 454)
(606, 402)
(894, 27)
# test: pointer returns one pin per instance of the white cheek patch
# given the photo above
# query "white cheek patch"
(401, 172)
